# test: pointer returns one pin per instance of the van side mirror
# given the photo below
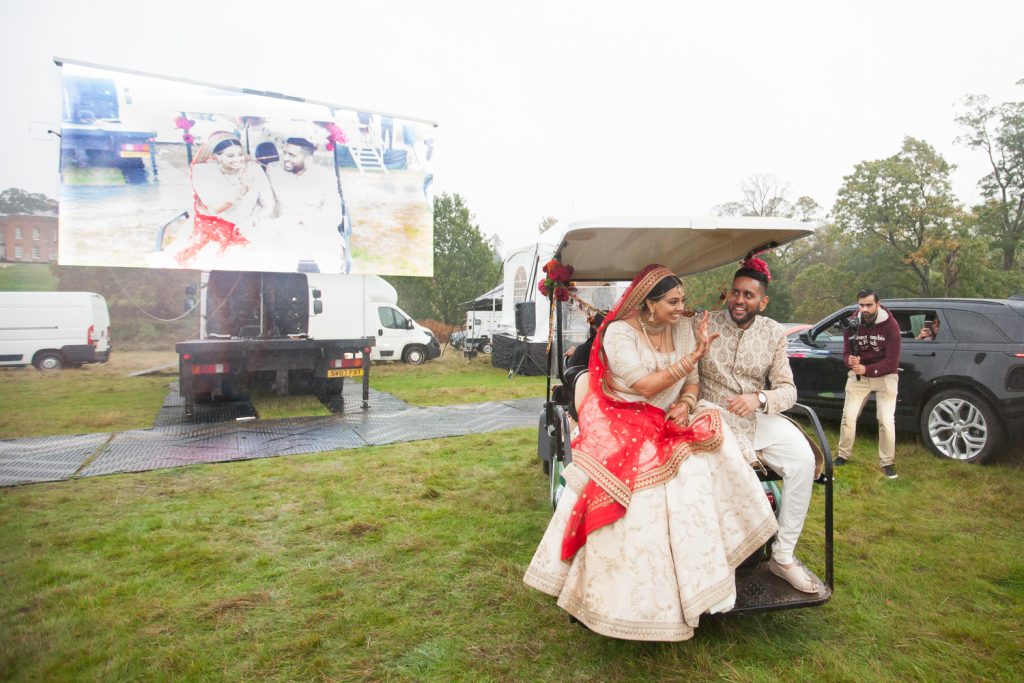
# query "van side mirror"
(318, 307)
(409, 324)
(317, 293)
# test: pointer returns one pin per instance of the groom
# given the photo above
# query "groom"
(751, 349)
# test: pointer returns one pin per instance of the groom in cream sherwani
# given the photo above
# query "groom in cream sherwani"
(750, 350)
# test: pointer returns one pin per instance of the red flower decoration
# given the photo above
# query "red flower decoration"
(187, 137)
(757, 265)
(557, 282)
(183, 122)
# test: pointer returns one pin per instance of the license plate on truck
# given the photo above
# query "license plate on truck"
(345, 372)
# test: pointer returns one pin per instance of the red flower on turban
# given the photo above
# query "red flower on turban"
(757, 265)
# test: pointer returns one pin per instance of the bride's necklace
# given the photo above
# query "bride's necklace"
(652, 332)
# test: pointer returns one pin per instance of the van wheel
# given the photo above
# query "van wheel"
(415, 355)
(486, 348)
(960, 425)
(49, 360)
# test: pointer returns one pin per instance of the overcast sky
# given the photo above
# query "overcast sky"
(570, 109)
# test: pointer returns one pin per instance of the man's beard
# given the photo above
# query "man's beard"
(868, 319)
(751, 314)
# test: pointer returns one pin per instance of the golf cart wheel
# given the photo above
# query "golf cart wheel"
(486, 347)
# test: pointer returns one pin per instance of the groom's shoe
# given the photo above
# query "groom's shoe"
(795, 574)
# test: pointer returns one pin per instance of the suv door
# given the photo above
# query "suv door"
(922, 362)
(818, 368)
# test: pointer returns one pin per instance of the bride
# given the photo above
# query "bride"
(660, 507)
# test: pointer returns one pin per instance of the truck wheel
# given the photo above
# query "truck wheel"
(960, 425)
(415, 355)
(326, 388)
(49, 360)
(486, 348)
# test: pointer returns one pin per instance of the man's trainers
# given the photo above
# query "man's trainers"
(839, 462)
(890, 472)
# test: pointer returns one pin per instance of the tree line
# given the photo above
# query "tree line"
(897, 226)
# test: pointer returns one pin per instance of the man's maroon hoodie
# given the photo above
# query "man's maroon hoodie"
(878, 345)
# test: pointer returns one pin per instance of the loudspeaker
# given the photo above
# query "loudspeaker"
(526, 318)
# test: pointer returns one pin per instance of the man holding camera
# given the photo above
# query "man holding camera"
(871, 349)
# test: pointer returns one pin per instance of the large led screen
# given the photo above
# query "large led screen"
(161, 173)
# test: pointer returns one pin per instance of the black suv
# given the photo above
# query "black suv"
(963, 391)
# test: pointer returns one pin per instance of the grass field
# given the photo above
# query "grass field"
(405, 562)
(464, 381)
(99, 397)
(26, 277)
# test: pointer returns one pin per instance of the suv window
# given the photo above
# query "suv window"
(912, 321)
(971, 327)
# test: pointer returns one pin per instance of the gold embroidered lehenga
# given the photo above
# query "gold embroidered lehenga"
(655, 518)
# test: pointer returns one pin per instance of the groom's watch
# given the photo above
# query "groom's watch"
(762, 398)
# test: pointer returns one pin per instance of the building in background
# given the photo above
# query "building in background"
(28, 239)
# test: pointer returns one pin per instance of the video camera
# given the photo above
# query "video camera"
(850, 324)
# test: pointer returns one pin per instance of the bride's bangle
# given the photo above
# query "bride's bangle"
(683, 367)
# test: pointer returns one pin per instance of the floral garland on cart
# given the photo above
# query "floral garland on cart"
(557, 286)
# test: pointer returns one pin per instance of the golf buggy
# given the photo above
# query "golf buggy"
(606, 254)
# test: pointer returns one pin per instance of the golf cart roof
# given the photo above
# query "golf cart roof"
(616, 248)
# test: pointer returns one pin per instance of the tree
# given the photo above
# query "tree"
(906, 203)
(15, 201)
(146, 304)
(999, 132)
(546, 223)
(464, 266)
(763, 195)
(805, 209)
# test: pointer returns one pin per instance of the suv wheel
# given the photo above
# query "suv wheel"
(960, 425)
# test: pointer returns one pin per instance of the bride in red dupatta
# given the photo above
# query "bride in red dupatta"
(660, 506)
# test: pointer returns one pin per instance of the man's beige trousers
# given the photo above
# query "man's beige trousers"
(885, 408)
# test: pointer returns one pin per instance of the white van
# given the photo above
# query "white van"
(52, 330)
(367, 306)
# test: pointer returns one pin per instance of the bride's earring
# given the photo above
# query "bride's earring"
(650, 319)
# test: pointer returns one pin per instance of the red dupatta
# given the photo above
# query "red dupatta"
(626, 446)
(209, 227)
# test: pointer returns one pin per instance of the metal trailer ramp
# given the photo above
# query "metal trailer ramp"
(218, 436)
